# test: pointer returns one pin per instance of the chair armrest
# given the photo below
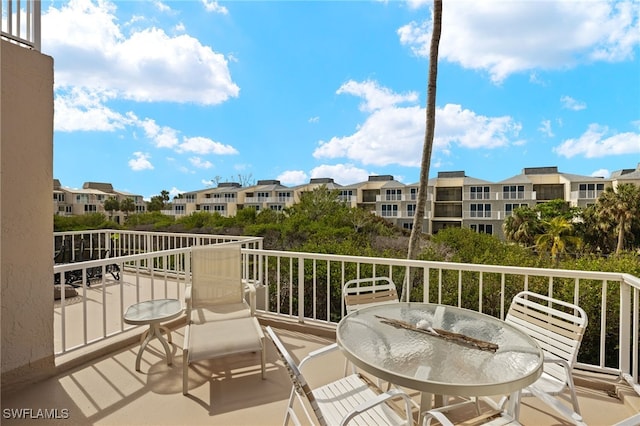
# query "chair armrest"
(187, 302)
(317, 353)
(380, 399)
(251, 289)
(437, 415)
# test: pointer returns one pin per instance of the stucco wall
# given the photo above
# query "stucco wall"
(26, 213)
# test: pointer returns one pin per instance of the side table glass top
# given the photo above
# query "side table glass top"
(433, 364)
(153, 310)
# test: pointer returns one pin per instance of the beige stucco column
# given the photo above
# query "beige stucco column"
(26, 214)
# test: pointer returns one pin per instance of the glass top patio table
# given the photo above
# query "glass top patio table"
(432, 364)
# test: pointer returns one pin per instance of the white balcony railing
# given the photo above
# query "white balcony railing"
(305, 287)
(21, 22)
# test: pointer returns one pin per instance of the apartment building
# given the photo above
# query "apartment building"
(90, 199)
(453, 198)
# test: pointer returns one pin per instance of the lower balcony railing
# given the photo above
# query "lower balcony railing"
(306, 287)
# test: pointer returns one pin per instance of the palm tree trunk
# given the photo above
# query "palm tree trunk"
(416, 230)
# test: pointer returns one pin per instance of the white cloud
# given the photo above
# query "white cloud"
(595, 143)
(140, 162)
(201, 145)
(207, 183)
(175, 191)
(293, 177)
(81, 110)
(395, 135)
(314, 120)
(162, 137)
(343, 174)
(545, 128)
(148, 65)
(506, 37)
(601, 173)
(375, 97)
(200, 163)
(569, 103)
(214, 6)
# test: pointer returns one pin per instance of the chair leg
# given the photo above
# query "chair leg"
(263, 357)
(185, 371)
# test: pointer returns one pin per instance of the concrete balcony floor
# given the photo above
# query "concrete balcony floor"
(229, 391)
(98, 385)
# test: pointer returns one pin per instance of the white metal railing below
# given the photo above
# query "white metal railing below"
(306, 287)
(21, 22)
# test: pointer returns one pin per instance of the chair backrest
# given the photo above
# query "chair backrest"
(299, 382)
(556, 325)
(216, 275)
(367, 291)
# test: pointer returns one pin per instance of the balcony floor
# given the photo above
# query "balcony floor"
(228, 391)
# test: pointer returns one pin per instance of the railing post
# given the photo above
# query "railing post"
(625, 329)
(300, 290)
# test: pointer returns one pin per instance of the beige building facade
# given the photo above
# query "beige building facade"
(453, 198)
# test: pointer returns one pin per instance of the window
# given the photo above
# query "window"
(276, 207)
(230, 197)
(389, 210)
(411, 210)
(480, 210)
(262, 196)
(393, 195)
(413, 193)
(479, 193)
(90, 208)
(178, 208)
(345, 195)
(513, 192)
(482, 229)
(284, 197)
(509, 208)
(58, 197)
(190, 198)
(590, 190)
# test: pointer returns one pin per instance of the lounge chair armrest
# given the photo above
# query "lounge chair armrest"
(379, 399)
(251, 290)
(557, 405)
(187, 302)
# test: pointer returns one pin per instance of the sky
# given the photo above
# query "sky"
(183, 95)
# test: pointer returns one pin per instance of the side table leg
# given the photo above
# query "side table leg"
(157, 330)
(149, 335)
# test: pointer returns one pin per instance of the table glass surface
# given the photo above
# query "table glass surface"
(152, 310)
(424, 362)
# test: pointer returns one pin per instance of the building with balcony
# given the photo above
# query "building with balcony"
(91, 198)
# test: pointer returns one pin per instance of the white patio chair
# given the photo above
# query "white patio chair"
(445, 415)
(368, 291)
(347, 399)
(362, 292)
(558, 328)
(219, 320)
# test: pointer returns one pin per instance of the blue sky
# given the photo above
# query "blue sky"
(159, 95)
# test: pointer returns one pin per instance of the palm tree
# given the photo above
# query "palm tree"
(421, 202)
(620, 205)
(416, 230)
(557, 235)
(522, 226)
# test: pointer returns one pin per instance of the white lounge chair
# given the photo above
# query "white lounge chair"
(220, 321)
